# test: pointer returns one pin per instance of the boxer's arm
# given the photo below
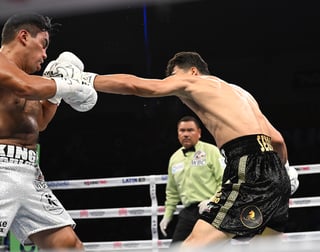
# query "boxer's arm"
(69, 65)
(47, 112)
(27, 86)
(280, 147)
(33, 87)
(278, 143)
(127, 84)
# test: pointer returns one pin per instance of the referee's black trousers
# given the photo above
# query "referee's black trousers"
(186, 220)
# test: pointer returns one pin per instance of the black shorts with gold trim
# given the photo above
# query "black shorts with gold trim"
(255, 190)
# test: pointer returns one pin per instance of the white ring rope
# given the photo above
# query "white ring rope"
(141, 180)
(106, 182)
(154, 210)
(307, 169)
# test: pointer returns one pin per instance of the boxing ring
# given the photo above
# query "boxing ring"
(155, 210)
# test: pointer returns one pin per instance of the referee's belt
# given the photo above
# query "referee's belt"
(17, 155)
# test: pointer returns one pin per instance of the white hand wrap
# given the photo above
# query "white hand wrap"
(69, 66)
(88, 79)
(293, 175)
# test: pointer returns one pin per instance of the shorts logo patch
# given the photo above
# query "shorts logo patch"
(251, 217)
(51, 204)
(265, 143)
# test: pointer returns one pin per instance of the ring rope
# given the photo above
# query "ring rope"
(165, 243)
(159, 210)
(106, 182)
(141, 180)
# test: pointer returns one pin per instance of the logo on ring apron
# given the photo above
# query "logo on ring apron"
(251, 217)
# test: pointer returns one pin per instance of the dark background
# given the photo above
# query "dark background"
(271, 48)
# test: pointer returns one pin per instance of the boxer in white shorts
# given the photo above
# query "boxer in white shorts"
(27, 105)
(31, 207)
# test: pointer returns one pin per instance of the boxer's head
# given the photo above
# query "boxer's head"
(32, 22)
(185, 61)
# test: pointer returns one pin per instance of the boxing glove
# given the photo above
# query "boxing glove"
(83, 100)
(68, 58)
(293, 175)
(64, 71)
(80, 97)
(68, 65)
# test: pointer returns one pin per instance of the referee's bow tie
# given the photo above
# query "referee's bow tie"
(188, 149)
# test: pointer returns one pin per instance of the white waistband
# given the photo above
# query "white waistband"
(17, 155)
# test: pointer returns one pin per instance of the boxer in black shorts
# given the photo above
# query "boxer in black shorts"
(251, 200)
(255, 191)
